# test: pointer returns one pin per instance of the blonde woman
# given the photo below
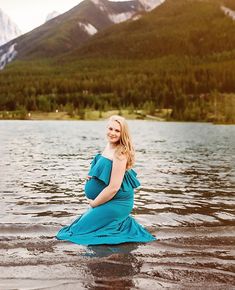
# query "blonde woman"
(110, 191)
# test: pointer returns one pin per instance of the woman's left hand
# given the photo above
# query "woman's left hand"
(91, 202)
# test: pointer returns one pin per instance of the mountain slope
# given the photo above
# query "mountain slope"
(73, 28)
(176, 27)
(8, 29)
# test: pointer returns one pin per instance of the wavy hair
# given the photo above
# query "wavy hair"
(125, 145)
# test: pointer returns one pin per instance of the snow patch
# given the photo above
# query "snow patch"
(118, 18)
(228, 12)
(8, 56)
(89, 28)
(100, 5)
(146, 5)
(151, 4)
(136, 17)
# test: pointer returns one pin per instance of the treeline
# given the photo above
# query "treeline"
(186, 85)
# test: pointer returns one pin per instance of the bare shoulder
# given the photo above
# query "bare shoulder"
(119, 166)
(120, 157)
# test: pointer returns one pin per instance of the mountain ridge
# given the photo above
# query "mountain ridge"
(64, 32)
(166, 30)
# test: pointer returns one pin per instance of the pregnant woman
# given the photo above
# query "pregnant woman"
(110, 191)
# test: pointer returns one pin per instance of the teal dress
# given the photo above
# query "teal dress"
(108, 223)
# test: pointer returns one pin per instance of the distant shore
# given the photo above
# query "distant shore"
(159, 115)
(162, 115)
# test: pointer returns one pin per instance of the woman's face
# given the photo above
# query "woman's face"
(113, 132)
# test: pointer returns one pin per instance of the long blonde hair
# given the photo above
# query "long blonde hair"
(125, 145)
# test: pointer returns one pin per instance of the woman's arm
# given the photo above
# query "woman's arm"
(116, 178)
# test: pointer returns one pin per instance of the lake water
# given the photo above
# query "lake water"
(186, 200)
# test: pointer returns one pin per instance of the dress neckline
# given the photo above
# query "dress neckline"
(105, 157)
(99, 154)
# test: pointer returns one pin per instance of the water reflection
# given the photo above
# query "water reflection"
(100, 251)
(115, 267)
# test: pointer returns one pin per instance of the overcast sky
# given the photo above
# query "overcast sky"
(28, 14)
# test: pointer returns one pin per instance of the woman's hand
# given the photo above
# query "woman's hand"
(91, 202)
(88, 177)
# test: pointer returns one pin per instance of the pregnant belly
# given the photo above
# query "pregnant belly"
(93, 187)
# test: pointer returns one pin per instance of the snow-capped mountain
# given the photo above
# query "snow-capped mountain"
(51, 15)
(8, 29)
(73, 28)
(133, 7)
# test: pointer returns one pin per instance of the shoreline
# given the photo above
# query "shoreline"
(88, 115)
(162, 115)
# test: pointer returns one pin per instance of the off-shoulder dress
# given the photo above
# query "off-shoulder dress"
(111, 222)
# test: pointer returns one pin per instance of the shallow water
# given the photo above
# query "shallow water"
(186, 199)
